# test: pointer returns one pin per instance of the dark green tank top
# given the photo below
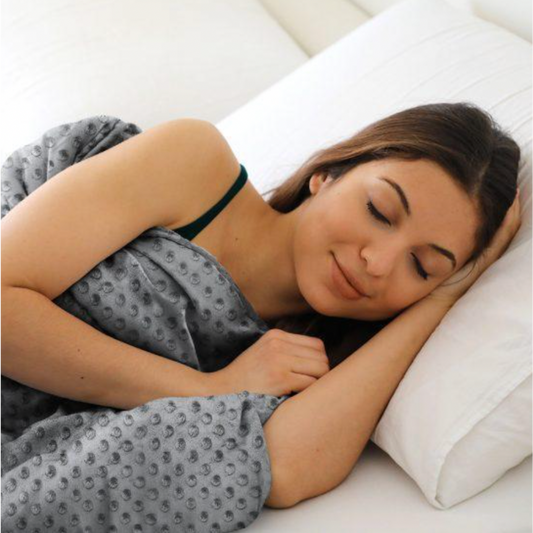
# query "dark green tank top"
(191, 230)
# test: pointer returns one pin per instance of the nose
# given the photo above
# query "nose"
(381, 257)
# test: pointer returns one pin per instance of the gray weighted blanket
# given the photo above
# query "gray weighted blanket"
(180, 464)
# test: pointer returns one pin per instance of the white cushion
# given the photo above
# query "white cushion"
(461, 416)
(145, 62)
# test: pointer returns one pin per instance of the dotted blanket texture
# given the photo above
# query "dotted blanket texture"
(180, 464)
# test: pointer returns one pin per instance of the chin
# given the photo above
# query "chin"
(317, 302)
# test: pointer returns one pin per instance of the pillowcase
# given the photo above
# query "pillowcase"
(63, 61)
(461, 416)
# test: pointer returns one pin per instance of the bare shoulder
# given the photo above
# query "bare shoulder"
(93, 208)
(202, 173)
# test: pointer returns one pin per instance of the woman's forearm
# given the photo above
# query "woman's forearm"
(319, 434)
(49, 349)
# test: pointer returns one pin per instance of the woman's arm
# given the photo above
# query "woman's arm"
(51, 350)
(317, 436)
(60, 354)
(66, 226)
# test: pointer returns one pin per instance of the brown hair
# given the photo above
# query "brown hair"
(461, 137)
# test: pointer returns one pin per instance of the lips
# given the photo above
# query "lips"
(351, 279)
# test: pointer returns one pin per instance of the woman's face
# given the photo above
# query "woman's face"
(387, 255)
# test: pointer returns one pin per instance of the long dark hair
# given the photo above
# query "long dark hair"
(461, 137)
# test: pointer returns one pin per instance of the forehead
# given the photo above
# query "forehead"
(423, 182)
(420, 173)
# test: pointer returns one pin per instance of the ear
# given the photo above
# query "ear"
(319, 180)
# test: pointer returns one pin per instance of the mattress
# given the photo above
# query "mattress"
(379, 497)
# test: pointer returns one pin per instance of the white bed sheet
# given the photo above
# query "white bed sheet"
(378, 497)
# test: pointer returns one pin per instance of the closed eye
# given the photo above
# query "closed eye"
(377, 215)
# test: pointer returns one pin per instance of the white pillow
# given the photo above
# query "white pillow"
(461, 416)
(145, 62)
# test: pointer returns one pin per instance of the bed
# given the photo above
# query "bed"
(65, 62)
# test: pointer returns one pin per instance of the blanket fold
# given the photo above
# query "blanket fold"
(195, 464)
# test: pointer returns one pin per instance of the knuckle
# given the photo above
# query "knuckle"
(272, 334)
(276, 343)
(320, 342)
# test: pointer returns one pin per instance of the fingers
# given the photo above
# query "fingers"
(512, 218)
(302, 340)
(516, 209)
(309, 367)
(299, 382)
(304, 352)
(308, 353)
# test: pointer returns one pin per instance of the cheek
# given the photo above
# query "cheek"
(308, 247)
(404, 293)
(342, 223)
(318, 229)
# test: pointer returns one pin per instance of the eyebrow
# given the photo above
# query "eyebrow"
(407, 208)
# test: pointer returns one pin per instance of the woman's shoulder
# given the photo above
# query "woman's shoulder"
(210, 169)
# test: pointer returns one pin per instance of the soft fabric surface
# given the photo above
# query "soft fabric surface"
(447, 424)
(379, 497)
(173, 464)
(184, 58)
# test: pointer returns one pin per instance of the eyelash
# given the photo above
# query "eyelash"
(377, 215)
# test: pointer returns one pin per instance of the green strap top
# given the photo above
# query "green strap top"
(191, 230)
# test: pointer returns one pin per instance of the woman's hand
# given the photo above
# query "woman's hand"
(457, 284)
(278, 363)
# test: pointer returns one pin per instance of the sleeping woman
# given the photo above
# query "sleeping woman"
(178, 352)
